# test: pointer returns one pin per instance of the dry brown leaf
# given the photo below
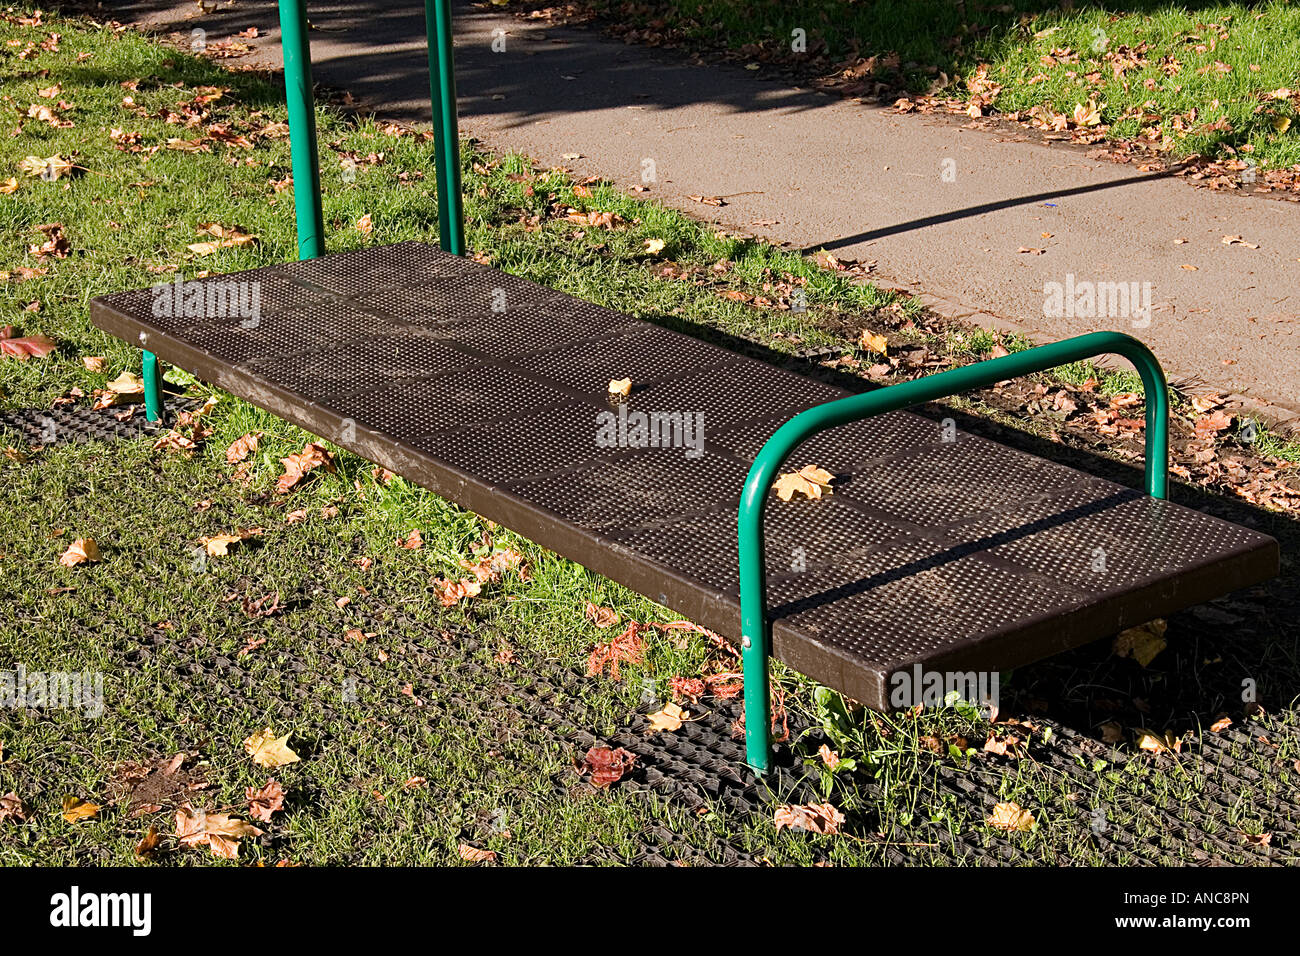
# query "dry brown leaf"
(814, 817)
(313, 455)
(1220, 725)
(1009, 816)
(12, 808)
(607, 766)
(264, 802)
(241, 448)
(809, 481)
(218, 546)
(81, 551)
(220, 832)
(670, 718)
(602, 617)
(148, 844)
(268, 750)
(474, 855)
(621, 387)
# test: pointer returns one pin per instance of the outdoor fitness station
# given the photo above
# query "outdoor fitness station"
(939, 550)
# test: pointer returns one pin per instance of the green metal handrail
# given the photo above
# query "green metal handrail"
(300, 100)
(756, 629)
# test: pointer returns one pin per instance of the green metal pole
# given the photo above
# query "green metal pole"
(302, 128)
(756, 629)
(151, 373)
(446, 135)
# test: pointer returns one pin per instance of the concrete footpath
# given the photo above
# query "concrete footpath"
(980, 223)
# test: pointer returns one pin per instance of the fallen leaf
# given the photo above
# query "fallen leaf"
(76, 809)
(607, 766)
(1142, 643)
(602, 617)
(220, 832)
(652, 246)
(620, 386)
(809, 481)
(12, 808)
(871, 342)
(1157, 742)
(814, 817)
(241, 448)
(81, 551)
(1009, 816)
(670, 718)
(148, 844)
(264, 802)
(474, 855)
(313, 456)
(1220, 725)
(218, 546)
(268, 750)
(28, 346)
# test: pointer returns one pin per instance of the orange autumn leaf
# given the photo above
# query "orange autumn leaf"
(219, 832)
(75, 809)
(313, 456)
(474, 855)
(241, 448)
(81, 551)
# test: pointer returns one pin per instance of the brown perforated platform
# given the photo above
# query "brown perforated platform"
(489, 390)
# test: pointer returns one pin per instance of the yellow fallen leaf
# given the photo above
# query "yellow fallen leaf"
(81, 551)
(218, 545)
(1142, 643)
(654, 246)
(8, 186)
(809, 481)
(871, 342)
(670, 718)
(1009, 816)
(128, 383)
(1157, 742)
(268, 750)
(620, 386)
(365, 226)
(76, 809)
(51, 168)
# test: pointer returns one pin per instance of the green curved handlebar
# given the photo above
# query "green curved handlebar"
(756, 629)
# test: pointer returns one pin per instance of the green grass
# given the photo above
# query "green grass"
(166, 631)
(1197, 108)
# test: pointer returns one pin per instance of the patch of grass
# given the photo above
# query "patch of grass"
(1202, 80)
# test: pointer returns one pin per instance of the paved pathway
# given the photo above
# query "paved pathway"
(817, 171)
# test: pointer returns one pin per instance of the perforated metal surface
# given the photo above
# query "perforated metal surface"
(937, 548)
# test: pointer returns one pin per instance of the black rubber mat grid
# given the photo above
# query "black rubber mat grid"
(984, 606)
(58, 426)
